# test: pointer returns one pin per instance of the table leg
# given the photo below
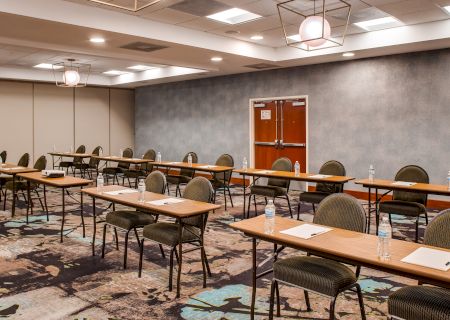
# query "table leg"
(252, 307)
(82, 211)
(53, 162)
(63, 212)
(13, 209)
(245, 187)
(180, 255)
(377, 217)
(224, 191)
(370, 210)
(95, 225)
(29, 204)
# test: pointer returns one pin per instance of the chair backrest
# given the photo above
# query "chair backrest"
(127, 153)
(151, 155)
(343, 211)
(189, 172)
(80, 149)
(198, 189)
(93, 162)
(227, 161)
(334, 168)
(411, 173)
(40, 163)
(155, 182)
(437, 232)
(281, 164)
(3, 155)
(24, 160)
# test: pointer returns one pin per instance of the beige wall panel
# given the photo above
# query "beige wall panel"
(92, 118)
(16, 110)
(53, 119)
(122, 120)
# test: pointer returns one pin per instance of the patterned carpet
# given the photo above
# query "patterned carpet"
(41, 278)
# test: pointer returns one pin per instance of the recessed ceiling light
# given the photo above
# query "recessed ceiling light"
(234, 16)
(376, 24)
(447, 9)
(257, 37)
(46, 66)
(97, 40)
(348, 54)
(141, 67)
(115, 72)
(216, 59)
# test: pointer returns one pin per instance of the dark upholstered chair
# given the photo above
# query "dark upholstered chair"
(128, 220)
(183, 177)
(275, 188)
(425, 302)
(323, 190)
(91, 166)
(3, 155)
(71, 164)
(323, 276)
(23, 162)
(142, 170)
(121, 167)
(405, 203)
(22, 185)
(221, 180)
(192, 231)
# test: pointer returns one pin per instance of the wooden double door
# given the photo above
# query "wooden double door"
(280, 131)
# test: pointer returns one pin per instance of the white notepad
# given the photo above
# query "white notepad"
(320, 176)
(163, 202)
(207, 167)
(174, 162)
(431, 258)
(266, 171)
(123, 191)
(306, 231)
(403, 183)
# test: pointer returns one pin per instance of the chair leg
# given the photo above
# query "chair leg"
(332, 306)
(417, 229)
(207, 263)
(104, 240)
(45, 202)
(390, 219)
(426, 217)
(214, 196)
(254, 202)
(117, 238)
(298, 210)
(272, 298)
(4, 200)
(289, 204)
(162, 251)
(141, 255)
(171, 267)
(203, 265)
(361, 302)
(308, 303)
(314, 208)
(248, 205)
(265, 199)
(126, 250)
(277, 292)
(231, 198)
(137, 236)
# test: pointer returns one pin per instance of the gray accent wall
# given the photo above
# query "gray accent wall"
(389, 111)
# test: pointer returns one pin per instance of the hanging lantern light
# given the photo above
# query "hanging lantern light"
(71, 74)
(314, 30)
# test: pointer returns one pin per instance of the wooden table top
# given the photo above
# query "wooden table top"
(349, 246)
(195, 166)
(13, 169)
(436, 189)
(120, 159)
(62, 182)
(71, 154)
(308, 177)
(184, 209)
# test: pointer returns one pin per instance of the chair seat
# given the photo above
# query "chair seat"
(19, 185)
(313, 197)
(65, 164)
(317, 274)
(420, 302)
(268, 191)
(128, 219)
(113, 170)
(167, 233)
(134, 173)
(5, 178)
(403, 207)
(177, 179)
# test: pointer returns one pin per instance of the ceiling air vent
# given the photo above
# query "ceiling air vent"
(200, 8)
(261, 66)
(143, 46)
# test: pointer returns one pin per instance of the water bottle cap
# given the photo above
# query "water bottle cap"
(385, 219)
(371, 166)
(270, 201)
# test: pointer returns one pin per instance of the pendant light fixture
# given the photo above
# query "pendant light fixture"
(71, 74)
(314, 31)
(129, 5)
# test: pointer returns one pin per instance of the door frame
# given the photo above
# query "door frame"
(252, 126)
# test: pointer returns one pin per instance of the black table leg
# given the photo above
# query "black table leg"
(63, 212)
(95, 225)
(224, 191)
(82, 212)
(180, 256)
(377, 216)
(370, 210)
(29, 204)
(252, 307)
(13, 209)
(245, 187)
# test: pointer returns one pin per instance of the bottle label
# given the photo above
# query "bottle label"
(382, 234)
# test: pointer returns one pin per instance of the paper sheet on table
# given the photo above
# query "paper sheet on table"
(306, 231)
(403, 183)
(123, 191)
(320, 176)
(207, 167)
(266, 171)
(174, 162)
(13, 168)
(430, 258)
(163, 202)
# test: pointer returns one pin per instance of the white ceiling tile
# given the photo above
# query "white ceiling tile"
(170, 16)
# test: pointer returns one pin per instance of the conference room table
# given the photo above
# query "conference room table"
(13, 170)
(121, 195)
(60, 155)
(134, 161)
(288, 175)
(350, 247)
(62, 183)
(198, 167)
(391, 185)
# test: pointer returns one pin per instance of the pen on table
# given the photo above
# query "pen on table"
(447, 264)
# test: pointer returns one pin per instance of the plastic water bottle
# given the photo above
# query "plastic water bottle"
(269, 213)
(448, 180)
(244, 164)
(371, 173)
(141, 190)
(384, 238)
(71, 149)
(100, 152)
(297, 168)
(120, 153)
(100, 183)
(158, 157)
(190, 160)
